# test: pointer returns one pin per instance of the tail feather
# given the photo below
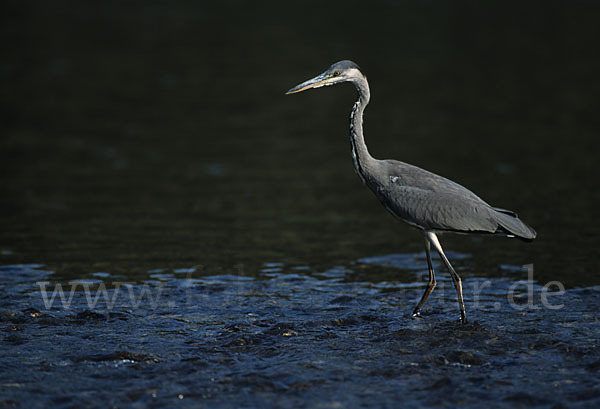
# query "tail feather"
(513, 225)
(508, 212)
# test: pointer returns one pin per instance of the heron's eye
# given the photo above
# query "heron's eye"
(336, 73)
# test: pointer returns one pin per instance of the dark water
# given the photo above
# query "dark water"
(145, 138)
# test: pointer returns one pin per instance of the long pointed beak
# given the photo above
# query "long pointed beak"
(316, 82)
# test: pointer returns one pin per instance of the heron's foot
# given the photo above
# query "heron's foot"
(416, 314)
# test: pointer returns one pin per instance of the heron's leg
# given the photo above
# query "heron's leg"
(455, 278)
(430, 284)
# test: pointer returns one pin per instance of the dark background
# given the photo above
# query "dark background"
(140, 135)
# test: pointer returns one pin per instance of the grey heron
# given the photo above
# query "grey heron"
(424, 200)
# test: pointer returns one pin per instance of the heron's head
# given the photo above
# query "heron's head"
(341, 71)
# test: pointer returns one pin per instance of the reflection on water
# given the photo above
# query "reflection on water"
(142, 136)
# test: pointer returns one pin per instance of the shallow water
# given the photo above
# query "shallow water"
(149, 150)
(294, 337)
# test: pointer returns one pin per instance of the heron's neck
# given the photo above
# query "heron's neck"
(363, 161)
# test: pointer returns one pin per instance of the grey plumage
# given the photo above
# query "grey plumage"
(424, 200)
(436, 203)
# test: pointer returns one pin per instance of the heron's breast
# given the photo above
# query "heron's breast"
(388, 197)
